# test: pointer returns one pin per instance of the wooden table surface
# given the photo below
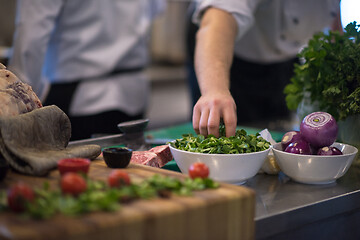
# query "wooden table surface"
(223, 213)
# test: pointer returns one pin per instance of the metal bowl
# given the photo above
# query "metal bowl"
(133, 126)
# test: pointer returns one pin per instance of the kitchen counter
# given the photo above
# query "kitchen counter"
(290, 210)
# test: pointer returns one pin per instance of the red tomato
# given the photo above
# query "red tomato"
(18, 195)
(73, 183)
(198, 170)
(118, 178)
(73, 165)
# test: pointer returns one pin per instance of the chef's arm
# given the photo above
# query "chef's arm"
(213, 58)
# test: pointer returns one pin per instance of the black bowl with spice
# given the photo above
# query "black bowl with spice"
(117, 157)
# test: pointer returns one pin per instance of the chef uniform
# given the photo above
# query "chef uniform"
(90, 54)
(270, 34)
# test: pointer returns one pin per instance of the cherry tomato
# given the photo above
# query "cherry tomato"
(198, 170)
(73, 183)
(73, 165)
(118, 178)
(18, 195)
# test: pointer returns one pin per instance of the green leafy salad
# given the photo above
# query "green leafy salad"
(330, 73)
(240, 143)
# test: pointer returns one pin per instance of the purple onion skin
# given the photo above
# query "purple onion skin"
(329, 151)
(319, 129)
(299, 147)
(290, 137)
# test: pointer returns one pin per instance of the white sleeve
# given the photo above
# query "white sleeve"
(242, 11)
(35, 21)
(157, 7)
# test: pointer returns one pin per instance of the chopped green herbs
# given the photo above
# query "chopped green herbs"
(330, 73)
(240, 143)
(100, 197)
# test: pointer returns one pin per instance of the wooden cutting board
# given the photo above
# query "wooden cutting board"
(219, 214)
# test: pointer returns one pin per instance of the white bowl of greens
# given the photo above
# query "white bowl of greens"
(232, 160)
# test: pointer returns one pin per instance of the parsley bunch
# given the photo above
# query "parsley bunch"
(330, 74)
(240, 143)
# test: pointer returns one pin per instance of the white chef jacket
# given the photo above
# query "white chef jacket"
(59, 41)
(271, 31)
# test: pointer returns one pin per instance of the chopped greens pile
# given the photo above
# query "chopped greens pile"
(330, 73)
(100, 197)
(240, 143)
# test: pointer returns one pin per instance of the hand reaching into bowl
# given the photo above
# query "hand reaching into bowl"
(210, 109)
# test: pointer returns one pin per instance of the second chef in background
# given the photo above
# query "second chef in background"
(87, 57)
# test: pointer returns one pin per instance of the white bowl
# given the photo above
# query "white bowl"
(230, 168)
(314, 169)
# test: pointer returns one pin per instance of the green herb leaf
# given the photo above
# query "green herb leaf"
(100, 197)
(330, 74)
(240, 143)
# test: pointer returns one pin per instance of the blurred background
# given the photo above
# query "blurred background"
(170, 102)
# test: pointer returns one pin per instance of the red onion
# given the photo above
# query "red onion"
(299, 147)
(290, 137)
(319, 129)
(329, 151)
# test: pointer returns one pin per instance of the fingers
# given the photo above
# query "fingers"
(203, 123)
(213, 122)
(207, 115)
(196, 119)
(200, 117)
(230, 120)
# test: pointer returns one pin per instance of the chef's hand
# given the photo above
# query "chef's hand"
(210, 109)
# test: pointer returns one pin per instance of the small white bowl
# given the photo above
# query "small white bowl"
(230, 168)
(315, 169)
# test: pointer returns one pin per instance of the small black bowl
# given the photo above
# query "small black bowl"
(117, 157)
(134, 126)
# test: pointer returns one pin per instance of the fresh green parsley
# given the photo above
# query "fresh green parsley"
(330, 73)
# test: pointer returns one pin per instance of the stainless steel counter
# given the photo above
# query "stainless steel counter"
(290, 210)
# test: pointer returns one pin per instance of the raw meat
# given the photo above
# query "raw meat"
(16, 97)
(145, 158)
(163, 153)
(155, 157)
